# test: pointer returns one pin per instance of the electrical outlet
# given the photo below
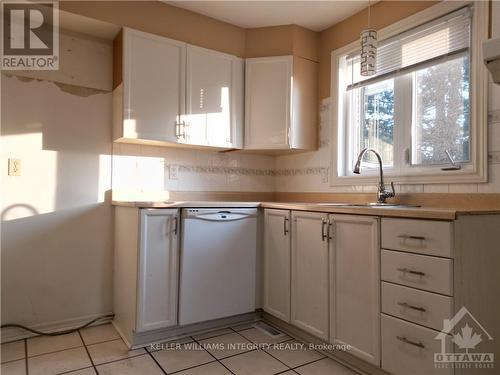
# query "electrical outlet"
(14, 167)
(173, 172)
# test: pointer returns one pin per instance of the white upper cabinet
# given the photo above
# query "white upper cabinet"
(280, 103)
(214, 98)
(167, 92)
(153, 86)
(354, 285)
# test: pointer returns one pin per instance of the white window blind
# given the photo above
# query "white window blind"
(439, 39)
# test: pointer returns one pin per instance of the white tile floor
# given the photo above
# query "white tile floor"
(100, 350)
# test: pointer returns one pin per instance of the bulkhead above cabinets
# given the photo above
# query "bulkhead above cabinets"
(170, 93)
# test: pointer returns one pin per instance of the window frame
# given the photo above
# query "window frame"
(473, 172)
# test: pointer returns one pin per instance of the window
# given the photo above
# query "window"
(416, 109)
(441, 113)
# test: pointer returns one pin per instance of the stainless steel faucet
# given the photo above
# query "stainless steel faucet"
(382, 193)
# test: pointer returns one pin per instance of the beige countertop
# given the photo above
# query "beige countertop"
(391, 211)
(187, 204)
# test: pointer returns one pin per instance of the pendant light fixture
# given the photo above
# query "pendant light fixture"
(368, 39)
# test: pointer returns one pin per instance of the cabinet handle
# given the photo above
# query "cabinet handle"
(330, 225)
(404, 304)
(285, 230)
(183, 134)
(411, 342)
(176, 225)
(323, 231)
(406, 270)
(409, 237)
(180, 129)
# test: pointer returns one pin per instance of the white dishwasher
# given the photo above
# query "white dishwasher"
(218, 263)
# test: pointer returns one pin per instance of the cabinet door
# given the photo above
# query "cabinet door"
(154, 84)
(277, 263)
(267, 102)
(355, 285)
(214, 91)
(310, 272)
(158, 269)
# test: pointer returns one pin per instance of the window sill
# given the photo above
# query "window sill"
(463, 176)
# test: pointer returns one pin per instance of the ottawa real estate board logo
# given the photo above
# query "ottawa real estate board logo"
(30, 35)
(467, 334)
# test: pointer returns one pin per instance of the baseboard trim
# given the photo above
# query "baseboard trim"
(14, 334)
(167, 334)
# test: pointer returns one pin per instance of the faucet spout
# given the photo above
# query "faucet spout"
(382, 193)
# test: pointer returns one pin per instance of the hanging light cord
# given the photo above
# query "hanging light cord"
(58, 333)
(369, 15)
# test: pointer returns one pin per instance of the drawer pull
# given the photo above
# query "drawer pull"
(408, 341)
(404, 304)
(409, 237)
(406, 270)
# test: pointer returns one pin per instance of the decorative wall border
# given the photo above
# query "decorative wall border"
(250, 171)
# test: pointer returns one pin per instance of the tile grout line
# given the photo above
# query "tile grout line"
(62, 350)
(311, 362)
(71, 371)
(120, 359)
(283, 363)
(88, 353)
(154, 360)
(325, 356)
(290, 367)
(192, 367)
(222, 364)
(55, 351)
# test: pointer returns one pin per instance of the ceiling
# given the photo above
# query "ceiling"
(313, 15)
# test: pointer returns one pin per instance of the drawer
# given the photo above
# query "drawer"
(408, 349)
(418, 271)
(428, 309)
(418, 236)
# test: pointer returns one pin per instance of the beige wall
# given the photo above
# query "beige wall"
(308, 172)
(57, 219)
(282, 40)
(163, 19)
(383, 14)
(180, 24)
(159, 18)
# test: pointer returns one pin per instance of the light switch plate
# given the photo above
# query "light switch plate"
(14, 167)
(173, 172)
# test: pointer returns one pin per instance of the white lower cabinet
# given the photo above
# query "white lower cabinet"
(158, 269)
(354, 285)
(417, 295)
(146, 271)
(408, 349)
(277, 263)
(322, 274)
(309, 275)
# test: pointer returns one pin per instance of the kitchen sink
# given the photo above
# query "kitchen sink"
(373, 204)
